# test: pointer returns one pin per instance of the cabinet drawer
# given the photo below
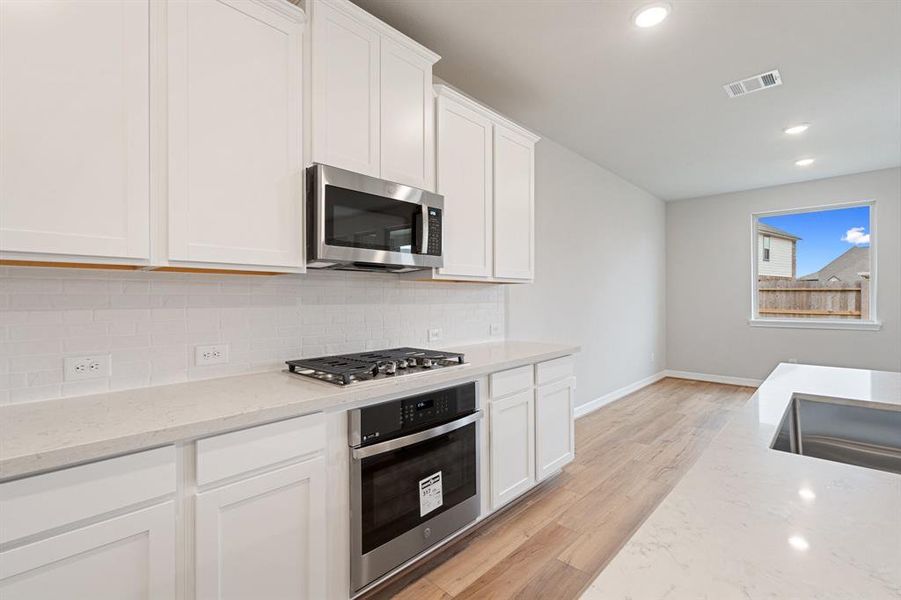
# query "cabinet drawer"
(510, 382)
(35, 504)
(553, 370)
(238, 452)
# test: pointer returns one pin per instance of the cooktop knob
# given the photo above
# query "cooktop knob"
(426, 363)
(390, 368)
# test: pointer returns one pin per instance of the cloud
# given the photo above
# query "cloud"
(856, 236)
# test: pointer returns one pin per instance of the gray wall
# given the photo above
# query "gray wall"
(599, 272)
(708, 258)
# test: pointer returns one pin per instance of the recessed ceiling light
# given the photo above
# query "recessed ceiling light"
(796, 129)
(807, 494)
(798, 543)
(804, 162)
(652, 14)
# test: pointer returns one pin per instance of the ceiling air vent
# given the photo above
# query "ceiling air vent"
(753, 84)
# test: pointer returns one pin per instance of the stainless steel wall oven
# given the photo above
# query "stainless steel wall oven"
(414, 477)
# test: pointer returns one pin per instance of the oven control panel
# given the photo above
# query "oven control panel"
(393, 419)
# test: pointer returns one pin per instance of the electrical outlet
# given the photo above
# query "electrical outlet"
(494, 329)
(434, 334)
(87, 367)
(215, 354)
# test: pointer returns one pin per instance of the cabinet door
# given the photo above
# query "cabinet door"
(263, 537)
(235, 115)
(345, 91)
(512, 447)
(554, 435)
(464, 179)
(513, 204)
(74, 127)
(407, 122)
(131, 557)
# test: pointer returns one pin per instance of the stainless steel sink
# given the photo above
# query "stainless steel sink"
(842, 432)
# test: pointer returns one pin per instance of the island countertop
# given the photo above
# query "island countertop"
(49, 434)
(747, 521)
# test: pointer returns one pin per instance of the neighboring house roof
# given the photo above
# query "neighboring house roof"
(846, 267)
(775, 231)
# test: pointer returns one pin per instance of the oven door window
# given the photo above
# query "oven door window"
(390, 484)
(360, 220)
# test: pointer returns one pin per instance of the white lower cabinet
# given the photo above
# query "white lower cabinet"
(88, 532)
(531, 428)
(263, 537)
(511, 446)
(554, 427)
(109, 530)
(123, 558)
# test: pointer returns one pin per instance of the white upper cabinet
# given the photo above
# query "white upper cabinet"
(235, 132)
(514, 204)
(464, 179)
(346, 64)
(407, 116)
(74, 128)
(485, 171)
(372, 109)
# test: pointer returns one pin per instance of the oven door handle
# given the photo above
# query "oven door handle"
(381, 448)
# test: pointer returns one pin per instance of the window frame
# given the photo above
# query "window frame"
(767, 245)
(873, 324)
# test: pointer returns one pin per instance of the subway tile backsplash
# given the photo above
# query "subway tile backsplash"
(149, 323)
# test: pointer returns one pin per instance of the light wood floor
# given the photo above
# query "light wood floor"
(554, 542)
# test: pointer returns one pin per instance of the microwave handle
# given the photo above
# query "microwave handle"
(424, 230)
(409, 440)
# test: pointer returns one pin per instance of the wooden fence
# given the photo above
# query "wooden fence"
(789, 298)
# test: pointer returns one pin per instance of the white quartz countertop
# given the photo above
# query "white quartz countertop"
(53, 433)
(747, 521)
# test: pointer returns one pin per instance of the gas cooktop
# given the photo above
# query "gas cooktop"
(344, 369)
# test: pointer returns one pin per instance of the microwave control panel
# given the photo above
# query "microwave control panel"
(434, 232)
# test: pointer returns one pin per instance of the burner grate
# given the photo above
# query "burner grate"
(343, 369)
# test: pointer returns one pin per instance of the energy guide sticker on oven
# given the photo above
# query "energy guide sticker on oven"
(430, 496)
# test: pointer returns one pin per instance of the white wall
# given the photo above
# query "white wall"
(599, 272)
(709, 283)
(150, 322)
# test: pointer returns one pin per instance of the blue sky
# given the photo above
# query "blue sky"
(824, 234)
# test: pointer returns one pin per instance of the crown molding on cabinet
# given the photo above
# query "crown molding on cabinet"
(443, 89)
(355, 12)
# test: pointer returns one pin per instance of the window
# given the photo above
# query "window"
(815, 268)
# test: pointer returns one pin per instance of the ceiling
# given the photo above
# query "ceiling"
(648, 103)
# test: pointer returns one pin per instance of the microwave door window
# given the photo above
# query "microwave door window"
(360, 220)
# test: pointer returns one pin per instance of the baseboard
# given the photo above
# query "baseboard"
(713, 378)
(593, 405)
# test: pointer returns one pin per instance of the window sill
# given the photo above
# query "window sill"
(817, 324)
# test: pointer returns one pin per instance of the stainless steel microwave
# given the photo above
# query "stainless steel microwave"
(363, 223)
